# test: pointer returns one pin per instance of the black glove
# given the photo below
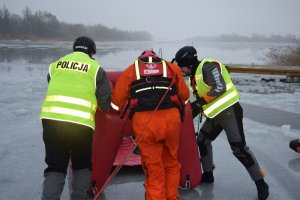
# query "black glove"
(197, 106)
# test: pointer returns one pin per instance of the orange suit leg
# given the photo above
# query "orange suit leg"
(158, 141)
(170, 160)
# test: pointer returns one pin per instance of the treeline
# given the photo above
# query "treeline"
(253, 38)
(45, 26)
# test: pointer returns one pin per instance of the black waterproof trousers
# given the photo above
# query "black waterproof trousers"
(229, 120)
(66, 141)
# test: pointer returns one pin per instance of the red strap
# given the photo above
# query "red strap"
(193, 85)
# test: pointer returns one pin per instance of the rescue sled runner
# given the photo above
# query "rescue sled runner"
(110, 131)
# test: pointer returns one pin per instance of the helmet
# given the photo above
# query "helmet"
(84, 44)
(186, 56)
(148, 53)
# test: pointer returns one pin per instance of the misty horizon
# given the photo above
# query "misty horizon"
(175, 19)
(40, 25)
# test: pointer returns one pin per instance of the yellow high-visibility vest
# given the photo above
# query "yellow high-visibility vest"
(71, 91)
(230, 97)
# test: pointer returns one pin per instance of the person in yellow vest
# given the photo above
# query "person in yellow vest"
(217, 97)
(77, 86)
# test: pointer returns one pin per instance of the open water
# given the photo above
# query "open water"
(117, 55)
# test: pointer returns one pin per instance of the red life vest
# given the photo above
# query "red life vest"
(154, 86)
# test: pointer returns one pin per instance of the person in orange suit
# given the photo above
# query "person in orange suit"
(155, 92)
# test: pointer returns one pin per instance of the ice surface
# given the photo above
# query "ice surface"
(272, 113)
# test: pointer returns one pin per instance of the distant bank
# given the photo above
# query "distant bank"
(45, 26)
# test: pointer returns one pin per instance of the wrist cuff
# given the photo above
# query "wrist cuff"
(201, 101)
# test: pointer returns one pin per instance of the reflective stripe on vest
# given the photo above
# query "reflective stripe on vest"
(67, 111)
(221, 103)
(73, 100)
(153, 87)
(137, 69)
(51, 108)
(114, 106)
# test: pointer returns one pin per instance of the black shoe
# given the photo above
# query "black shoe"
(207, 177)
(262, 189)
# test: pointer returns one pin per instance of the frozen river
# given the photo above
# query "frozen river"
(272, 113)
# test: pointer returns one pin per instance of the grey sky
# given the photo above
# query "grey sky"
(175, 19)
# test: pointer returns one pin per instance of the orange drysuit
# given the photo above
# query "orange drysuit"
(157, 135)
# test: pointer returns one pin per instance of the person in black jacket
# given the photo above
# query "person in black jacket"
(217, 97)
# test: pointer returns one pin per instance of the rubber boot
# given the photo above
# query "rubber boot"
(53, 185)
(262, 189)
(80, 184)
(207, 177)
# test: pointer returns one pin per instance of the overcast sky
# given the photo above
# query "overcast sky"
(175, 19)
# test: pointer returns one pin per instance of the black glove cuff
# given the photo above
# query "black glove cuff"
(196, 108)
(201, 101)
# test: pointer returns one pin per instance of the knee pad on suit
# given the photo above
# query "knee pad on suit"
(243, 154)
(203, 143)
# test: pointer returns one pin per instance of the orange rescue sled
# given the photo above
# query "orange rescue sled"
(108, 136)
